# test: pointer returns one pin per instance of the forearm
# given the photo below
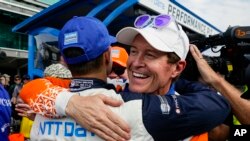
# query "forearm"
(240, 106)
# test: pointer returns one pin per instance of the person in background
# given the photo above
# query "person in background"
(5, 114)
(2, 80)
(221, 132)
(5, 81)
(19, 82)
(240, 106)
(17, 86)
(7, 84)
(26, 123)
(151, 58)
(118, 76)
(12, 86)
(25, 78)
(16, 119)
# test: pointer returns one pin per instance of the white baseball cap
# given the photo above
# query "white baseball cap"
(169, 38)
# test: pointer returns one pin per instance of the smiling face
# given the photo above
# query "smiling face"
(149, 70)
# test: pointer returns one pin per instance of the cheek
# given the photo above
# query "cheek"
(163, 73)
(164, 78)
(129, 64)
(129, 61)
(160, 69)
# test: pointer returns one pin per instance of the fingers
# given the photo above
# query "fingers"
(96, 117)
(114, 118)
(25, 113)
(100, 133)
(21, 112)
(208, 75)
(195, 52)
(100, 125)
(115, 126)
(106, 133)
(119, 126)
(23, 109)
(23, 105)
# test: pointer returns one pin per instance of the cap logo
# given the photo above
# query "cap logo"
(115, 53)
(70, 38)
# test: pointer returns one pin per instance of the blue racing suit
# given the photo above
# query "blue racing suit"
(5, 114)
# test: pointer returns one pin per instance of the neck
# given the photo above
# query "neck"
(98, 75)
(163, 90)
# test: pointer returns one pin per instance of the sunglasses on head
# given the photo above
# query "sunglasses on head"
(118, 70)
(159, 21)
(155, 21)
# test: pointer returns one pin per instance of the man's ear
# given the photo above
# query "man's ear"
(108, 60)
(180, 66)
(107, 56)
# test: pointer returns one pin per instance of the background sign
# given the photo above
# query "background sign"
(183, 17)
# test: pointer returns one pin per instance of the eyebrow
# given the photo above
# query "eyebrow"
(152, 49)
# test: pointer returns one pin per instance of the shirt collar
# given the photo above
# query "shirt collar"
(80, 84)
(171, 90)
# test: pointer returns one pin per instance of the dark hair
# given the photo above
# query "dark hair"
(172, 59)
(85, 67)
(17, 76)
(26, 77)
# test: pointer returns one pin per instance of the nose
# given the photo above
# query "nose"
(138, 61)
